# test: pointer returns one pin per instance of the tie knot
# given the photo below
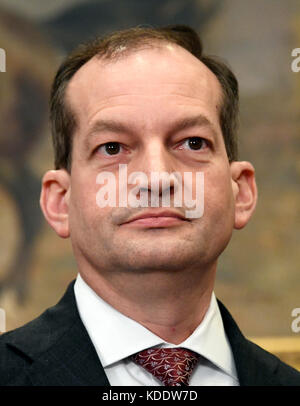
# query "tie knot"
(172, 366)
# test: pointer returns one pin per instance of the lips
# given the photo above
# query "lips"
(157, 218)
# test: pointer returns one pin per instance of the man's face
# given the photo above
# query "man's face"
(145, 95)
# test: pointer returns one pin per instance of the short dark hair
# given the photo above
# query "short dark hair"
(63, 120)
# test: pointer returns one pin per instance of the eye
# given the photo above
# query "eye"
(110, 148)
(195, 143)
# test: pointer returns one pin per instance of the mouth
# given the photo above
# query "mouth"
(156, 219)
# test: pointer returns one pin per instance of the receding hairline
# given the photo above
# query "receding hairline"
(126, 51)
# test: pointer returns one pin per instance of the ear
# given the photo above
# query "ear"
(54, 200)
(244, 191)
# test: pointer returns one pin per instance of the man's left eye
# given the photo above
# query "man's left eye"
(195, 143)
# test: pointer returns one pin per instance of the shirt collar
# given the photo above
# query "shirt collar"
(116, 336)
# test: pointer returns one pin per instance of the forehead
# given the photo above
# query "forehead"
(166, 75)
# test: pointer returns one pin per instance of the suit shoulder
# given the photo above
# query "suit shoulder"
(13, 364)
(283, 374)
(25, 344)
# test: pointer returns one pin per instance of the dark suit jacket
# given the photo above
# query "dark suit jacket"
(55, 350)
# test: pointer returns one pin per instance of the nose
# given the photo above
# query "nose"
(156, 162)
(155, 157)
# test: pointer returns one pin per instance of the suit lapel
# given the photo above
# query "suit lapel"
(71, 361)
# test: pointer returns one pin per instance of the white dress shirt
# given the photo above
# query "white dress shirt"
(116, 337)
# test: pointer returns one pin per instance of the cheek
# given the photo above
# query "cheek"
(84, 212)
(83, 193)
(218, 200)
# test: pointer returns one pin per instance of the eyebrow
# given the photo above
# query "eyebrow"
(109, 126)
(118, 127)
(189, 122)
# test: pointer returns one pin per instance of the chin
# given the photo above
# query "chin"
(160, 259)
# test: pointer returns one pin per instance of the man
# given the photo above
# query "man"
(142, 310)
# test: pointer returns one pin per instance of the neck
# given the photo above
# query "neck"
(169, 304)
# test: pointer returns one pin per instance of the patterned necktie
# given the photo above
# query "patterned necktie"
(172, 366)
